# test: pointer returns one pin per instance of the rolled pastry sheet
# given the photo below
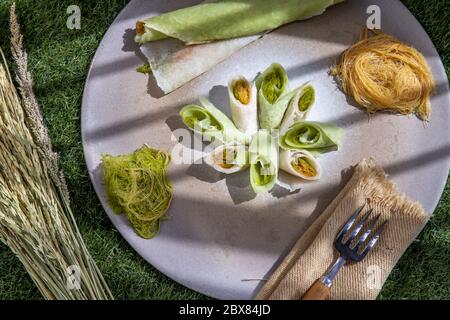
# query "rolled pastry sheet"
(299, 107)
(263, 154)
(315, 137)
(211, 123)
(174, 64)
(243, 104)
(300, 163)
(273, 96)
(229, 158)
(226, 19)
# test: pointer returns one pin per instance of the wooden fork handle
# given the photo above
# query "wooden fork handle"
(318, 291)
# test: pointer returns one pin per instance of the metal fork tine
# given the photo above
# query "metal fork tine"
(359, 227)
(374, 239)
(368, 231)
(348, 224)
(348, 253)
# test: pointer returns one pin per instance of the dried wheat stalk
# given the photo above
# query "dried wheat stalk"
(36, 220)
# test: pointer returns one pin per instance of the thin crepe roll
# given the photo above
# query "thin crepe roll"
(228, 158)
(315, 137)
(299, 107)
(226, 19)
(273, 96)
(211, 123)
(243, 104)
(174, 64)
(301, 164)
(263, 154)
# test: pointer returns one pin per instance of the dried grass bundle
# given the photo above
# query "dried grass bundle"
(36, 220)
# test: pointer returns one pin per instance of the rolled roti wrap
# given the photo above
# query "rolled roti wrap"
(211, 123)
(229, 158)
(315, 137)
(299, 106)
(243, 104)
(226, 19)
(273, 96)
(173, 64)
(263, 154)
(300, 163)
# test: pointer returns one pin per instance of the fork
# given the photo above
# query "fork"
(349, 249)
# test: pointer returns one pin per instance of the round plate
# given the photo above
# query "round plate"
(220, 232)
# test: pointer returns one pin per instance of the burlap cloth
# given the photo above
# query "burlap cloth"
(314, 253)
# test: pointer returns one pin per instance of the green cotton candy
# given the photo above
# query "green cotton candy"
(137, 185)
(226, 19)
(273, 96)
(263, 154)
(315, 137)
(211, 123)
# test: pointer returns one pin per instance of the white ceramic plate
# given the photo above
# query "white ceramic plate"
(220, 233)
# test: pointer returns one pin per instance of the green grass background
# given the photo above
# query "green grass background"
(59, 61)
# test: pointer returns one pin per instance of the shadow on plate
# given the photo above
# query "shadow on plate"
(218, 95)
(130, 46)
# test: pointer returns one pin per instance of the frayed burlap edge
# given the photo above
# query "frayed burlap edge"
(369, 184)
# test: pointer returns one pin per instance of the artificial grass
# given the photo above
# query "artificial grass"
(59, 61)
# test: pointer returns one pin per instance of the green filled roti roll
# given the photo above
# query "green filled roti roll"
(273, 96)
(299, 107)
(211, 123)
(228, 158)
(315, 137)
(263, 154)
(226, 19)
(243, 104)
(300, 163)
